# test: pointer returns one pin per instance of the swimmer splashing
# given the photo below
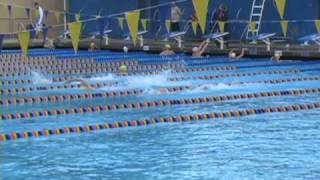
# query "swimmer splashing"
(83, 84)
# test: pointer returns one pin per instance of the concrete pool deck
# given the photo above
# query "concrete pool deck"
(293, 51)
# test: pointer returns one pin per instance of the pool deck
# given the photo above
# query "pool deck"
(294, 51)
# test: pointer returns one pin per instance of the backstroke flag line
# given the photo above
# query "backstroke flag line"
(121, 22)
(281, 6)
(133, 24)
(284, 27)
(168, 25)
(144, 24)
(75, 32)
(317, 23)
(24, 40)
(57, 15)
(221, 26)
(194, 25)
(201, 8)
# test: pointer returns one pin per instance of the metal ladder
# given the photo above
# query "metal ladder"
(255, 18)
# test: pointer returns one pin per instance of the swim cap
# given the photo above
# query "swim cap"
(125, 49)
(232, 55)
(195, 49)
(123, 68)
(167, 46)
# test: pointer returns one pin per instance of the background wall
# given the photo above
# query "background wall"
(238, 10)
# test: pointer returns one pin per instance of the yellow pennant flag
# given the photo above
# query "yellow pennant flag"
(201, 8)
(317, 23)
(24, 40)
(284, 27)
(144, 24)
(77, 16)
(75, 32)
(194, 25)
(57, 15)
(133, 24)
(168, 25)
(221, 26)
(121, 22)
(281, 6)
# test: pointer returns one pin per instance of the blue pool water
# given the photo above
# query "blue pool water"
(263, 146)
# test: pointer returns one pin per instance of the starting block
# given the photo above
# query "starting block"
(265, 37)
(178, 37)
(217, 37)
(105, 35)
(315, 38)
(140, 37)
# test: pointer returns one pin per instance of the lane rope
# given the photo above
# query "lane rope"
(13, 91)
(99, 70)
(9, 68)
(182, 70)
(210, 77)
(152, 104)
(154, 121)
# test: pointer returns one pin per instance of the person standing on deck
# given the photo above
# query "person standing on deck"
(176, 14)
(40, 20)
(219, 15)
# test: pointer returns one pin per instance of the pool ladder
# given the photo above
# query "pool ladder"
(255, 18)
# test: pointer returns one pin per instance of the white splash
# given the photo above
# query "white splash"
(109, 77)
(159, 80)
(209, 87)
(38, 78)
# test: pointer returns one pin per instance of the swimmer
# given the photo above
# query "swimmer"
(125, 49)
(92, 47)
(276, 57)
(198, 51)
(83, 84)
(233, 55)
(49, 44)
(163, 91)
(167, 51)
(123, 69)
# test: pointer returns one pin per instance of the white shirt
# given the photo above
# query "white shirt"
(175, 14)
(40, 20)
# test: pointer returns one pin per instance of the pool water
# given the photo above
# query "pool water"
(280, 145)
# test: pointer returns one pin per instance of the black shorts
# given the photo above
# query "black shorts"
(175, 27)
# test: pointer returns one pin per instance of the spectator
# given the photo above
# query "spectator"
(40, 21)
(176, 14)
(220, 15)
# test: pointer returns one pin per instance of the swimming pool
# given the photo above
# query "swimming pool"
(169, 118)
